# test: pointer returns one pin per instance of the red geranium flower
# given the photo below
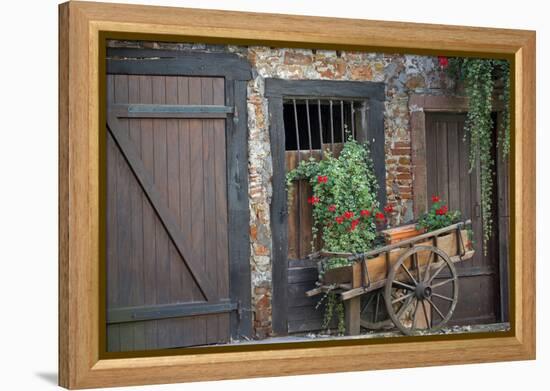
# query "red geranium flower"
(354, 224)
(435, 199)
(380, 216)
(313, 200)
(322, 179)
(348, 214)
(332, 208)
(443, 61)
(388, 209)
(365, 213)
(339, 219)
(441, 211)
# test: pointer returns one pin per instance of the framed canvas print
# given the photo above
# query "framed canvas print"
(247, 195)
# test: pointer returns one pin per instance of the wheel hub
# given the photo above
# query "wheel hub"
(423, 291)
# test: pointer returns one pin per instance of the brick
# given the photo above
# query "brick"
(404, 160)
(361, 72)
(260, 249)
(399, 144)
(253, 232)
(400, 151)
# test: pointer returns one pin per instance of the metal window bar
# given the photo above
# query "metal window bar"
(342, 120)
(309, 128)
(331, 129)
(297, 130)
(352, 120)
(320, 125)
(348, 117)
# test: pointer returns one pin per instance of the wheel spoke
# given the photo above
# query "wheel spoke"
(427, 272)
(376, 308)
(369, 300)
(408, 273)
(436, 273)
(403, 285)
(442, 297)
(404, 307)
(442, 283)
(436, 309)
(428, 323)
(413, 327)
(417, 265)
(402, 298)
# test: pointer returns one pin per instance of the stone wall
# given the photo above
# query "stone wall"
(402, 74)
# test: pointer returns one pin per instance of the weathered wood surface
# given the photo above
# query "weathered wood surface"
(324, 88)
(347, 292)
(448, 176)
(167, 219)
(352, 307)
(177, 63)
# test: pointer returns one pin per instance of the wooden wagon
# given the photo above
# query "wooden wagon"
(411, 284)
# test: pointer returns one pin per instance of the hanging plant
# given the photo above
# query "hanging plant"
(479, 76)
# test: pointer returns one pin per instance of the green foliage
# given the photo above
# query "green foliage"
(438, 216)
(344, 197)
(479, 76)
(345, 209)
(334, 305)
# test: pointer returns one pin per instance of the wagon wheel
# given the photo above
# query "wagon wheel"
(373, 311)
(411, 292)
(374, 315)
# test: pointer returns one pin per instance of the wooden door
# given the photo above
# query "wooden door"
(447, 176)
(176, 193)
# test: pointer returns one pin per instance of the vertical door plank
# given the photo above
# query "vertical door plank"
(197, 192)
(209, 201)
(431, 159)
(222, 254)
(177, 326)
(192, 325)
(113, 331)
(124, 220)
(466, 206)
(442, 161)
(161, 182)
(477, 226)
(291, 161)
(136, 262)
(453, 165)
(306, 218)
(149, 217)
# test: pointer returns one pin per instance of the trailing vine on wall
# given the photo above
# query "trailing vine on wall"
(479, 77)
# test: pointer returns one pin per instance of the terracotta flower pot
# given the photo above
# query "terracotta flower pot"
(394, 235)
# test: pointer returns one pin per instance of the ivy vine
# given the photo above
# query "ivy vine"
(479, 76)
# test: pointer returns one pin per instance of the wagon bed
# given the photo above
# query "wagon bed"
(406, 276)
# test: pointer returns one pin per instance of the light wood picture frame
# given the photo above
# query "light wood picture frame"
(83, 29)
